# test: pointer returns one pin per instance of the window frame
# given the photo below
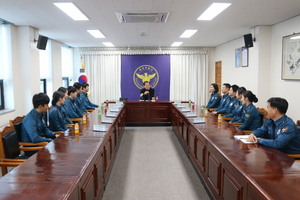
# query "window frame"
(2, 104)
(66, 79)
(44, 84)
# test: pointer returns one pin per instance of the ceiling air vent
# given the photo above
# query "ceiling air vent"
(153, 17)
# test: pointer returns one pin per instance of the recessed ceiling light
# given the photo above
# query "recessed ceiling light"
(295, 37)
(213, 10)
(188, 33)
(96, 33)
(176, 44)
(108, 44)
(71, 10)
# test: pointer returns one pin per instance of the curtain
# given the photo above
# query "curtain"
(189, 78)
(104, 72)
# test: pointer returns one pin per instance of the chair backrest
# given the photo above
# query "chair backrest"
(10, 143)
(264, 114)
(18, 128)
(16, 120)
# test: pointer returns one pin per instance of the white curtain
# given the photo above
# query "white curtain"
(189, 78)
(104, 72)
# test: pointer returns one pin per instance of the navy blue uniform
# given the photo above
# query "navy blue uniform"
(231, 107)
(252, 119)
(281, 134)
(34, 128)
(72, 109)
(214, 101)
(238, 113)
(223, 102)
(86, 102)
(80, 104)
(56, 119)
(65, 114)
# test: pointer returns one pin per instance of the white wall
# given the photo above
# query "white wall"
(263, 75)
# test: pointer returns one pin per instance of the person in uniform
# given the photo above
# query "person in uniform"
(279, 131)
(215, 98)
(252, 119)
(238, 112)
(225, 99)
(234, 102)
(147, 93)
(72, 109)
(56, 119)
(64, 107)
(34, 129)
(85, 100)
(78, 100)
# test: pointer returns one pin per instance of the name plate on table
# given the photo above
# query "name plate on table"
(115, 109)
(107, 120)
(180, 105)
(177, 102)
(185, 109)
(111, 114)
(120, 103)
(99, 128)
(191, 114)
(198, 120)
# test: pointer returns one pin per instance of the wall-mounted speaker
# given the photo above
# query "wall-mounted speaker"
(42, 42)
(248, 40)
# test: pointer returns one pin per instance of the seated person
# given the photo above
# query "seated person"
(251, 118)
(64, 107)
(56, 119)
(78, 100)
(238, 112)
(214, 100)
(147, 93)
(233, 102)
(279, 131)
(225, 98)
(72, 109)
(34, 128)
(84, 98)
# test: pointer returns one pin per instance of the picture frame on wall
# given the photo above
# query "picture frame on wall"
(290, 69)
(238, 57)
(244, 56)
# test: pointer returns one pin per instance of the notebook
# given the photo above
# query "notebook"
(243, 138)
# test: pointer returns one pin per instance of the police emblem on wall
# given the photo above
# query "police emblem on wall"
(145, 73)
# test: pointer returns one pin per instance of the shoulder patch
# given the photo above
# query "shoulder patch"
(284, 129)
(216, 97)
(247, 115)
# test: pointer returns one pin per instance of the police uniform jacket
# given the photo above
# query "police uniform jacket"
(72, 109)
(56, 120)
(222, 102)
(231, 107)
(238, 113)
(281, 134)
(80, 104)
(86, 102)
(225, 106)
(214, 100)
(63, 109)
(34, 128)
(252, 119)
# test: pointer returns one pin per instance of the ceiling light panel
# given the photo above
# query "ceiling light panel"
(188, 33)
(108, 44)
(96, 33)
(71, 10)
(176, 44)
(213, 10)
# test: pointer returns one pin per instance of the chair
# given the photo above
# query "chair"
(75, 119)
(211, 109)
(295, 156)
(227, 118)
(16, 120)
(90, 110)
(10, 149)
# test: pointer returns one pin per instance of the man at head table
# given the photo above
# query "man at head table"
(279, 131)
(147, 92)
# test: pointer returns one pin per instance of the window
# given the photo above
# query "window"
(65, 82)
(43, 86)
(1, 95)
(67, 63)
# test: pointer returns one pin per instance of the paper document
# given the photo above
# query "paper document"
(243, 138)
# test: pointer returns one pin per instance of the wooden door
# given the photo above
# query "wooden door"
(218, 74)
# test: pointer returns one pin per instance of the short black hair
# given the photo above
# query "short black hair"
(146, 82)
(40, 99)
(77, 85)
(227, 85)
(280, 103)
(71, 89)
(84, 85)
(62, 89)
(241, 90)
(252, 97)
(216, 87)
(234, 88)
(55, 97)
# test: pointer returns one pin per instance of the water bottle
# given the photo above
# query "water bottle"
(84, 119)
(190, 103)
(76, 128)
(219, 118)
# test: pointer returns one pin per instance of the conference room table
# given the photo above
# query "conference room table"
(77, 166)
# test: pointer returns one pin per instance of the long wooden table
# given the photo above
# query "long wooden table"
(78, 166)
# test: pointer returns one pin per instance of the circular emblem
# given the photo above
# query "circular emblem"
(145, 73)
